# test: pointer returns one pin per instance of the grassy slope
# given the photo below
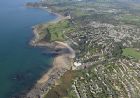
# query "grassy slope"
(54, 31)
(57, 30)
(131, 52)
(60, 91)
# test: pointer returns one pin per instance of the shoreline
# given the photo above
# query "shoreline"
(62, 62)
(34, 41)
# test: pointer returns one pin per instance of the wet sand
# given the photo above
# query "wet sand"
(61, 64)
(64, 60)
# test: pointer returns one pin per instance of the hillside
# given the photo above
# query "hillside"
(105, 35)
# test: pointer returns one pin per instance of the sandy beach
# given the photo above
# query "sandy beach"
(61, 62)
(64, 60)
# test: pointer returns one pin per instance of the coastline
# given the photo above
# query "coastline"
(100, 58)
(62, 62)
(35, 41)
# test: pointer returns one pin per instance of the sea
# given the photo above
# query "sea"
(21, 65)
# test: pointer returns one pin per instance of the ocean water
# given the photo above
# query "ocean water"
(20, 64)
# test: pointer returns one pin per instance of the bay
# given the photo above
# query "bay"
(20, 64)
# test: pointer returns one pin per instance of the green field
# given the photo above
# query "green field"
(131, 52)
(56, 31)
(131, 19)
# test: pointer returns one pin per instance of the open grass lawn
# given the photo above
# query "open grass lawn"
(131, 19)
(57, 30)
(131, 52)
